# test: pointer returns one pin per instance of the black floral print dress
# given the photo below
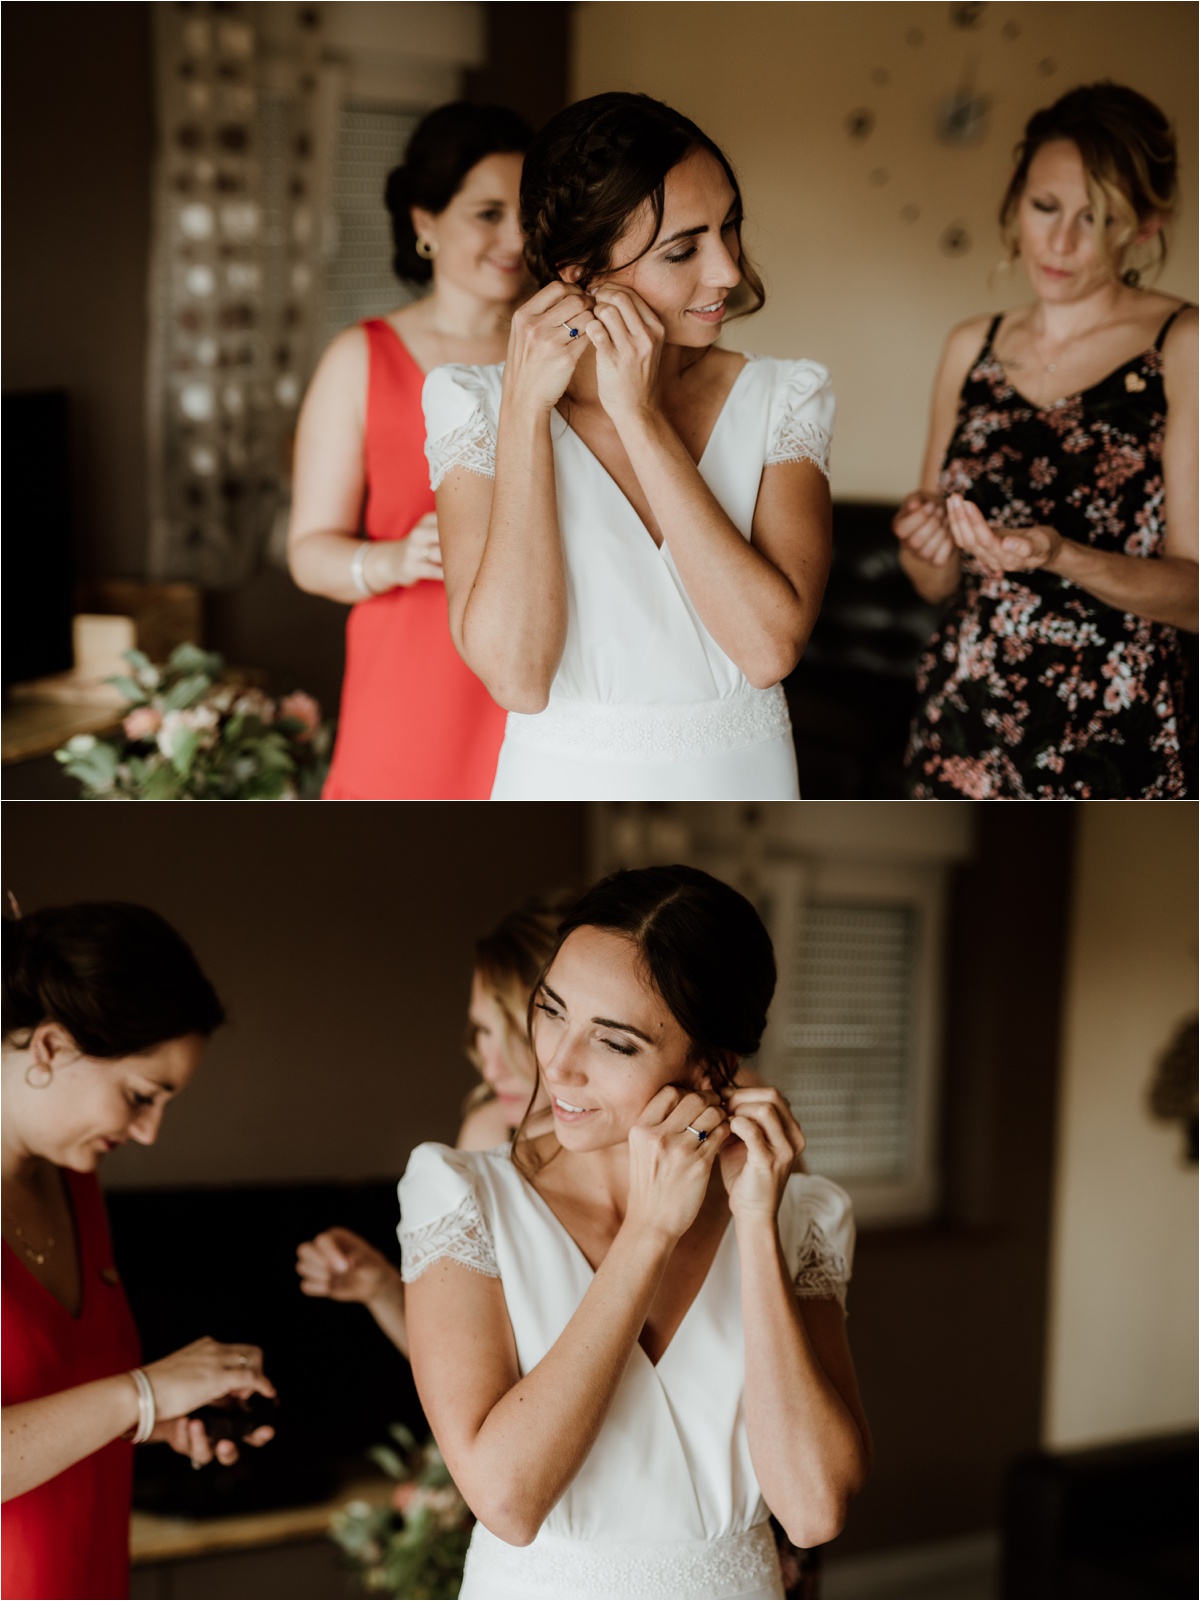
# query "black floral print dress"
(1031, 687)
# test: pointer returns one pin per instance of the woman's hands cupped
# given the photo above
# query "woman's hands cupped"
(1000, 550)
(669, 1163)
(542, 353)
(203, 1372)
(922, 527)
(628, 340)
(341, 1266)
(189, 1437)
(758, 1160)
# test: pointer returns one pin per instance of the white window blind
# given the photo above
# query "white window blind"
(853, 1034)
(847, 1058)
(359, 281)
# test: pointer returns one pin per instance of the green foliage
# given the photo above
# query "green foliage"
(191, 734)
(417, 1546)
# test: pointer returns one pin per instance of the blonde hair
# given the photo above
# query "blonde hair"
(508, 961)
(1127, 147)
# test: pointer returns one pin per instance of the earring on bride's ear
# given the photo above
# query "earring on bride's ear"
(38, 1075)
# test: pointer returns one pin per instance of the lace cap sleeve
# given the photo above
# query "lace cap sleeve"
(440, 1214)
(460, 429)
(817, 1223)
(802, 415)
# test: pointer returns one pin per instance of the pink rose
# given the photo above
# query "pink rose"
(253, 703)
(403, 1496)
(143, 722)
(304, 709)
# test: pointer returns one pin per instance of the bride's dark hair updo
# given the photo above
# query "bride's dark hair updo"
(444, 146)
(117, 977)
(702, 946)
(592, 168)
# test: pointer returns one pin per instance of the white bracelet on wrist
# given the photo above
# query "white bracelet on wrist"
(147, 1408)
(358, 571)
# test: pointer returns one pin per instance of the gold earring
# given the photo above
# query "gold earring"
(38, 1075)
(426, 248)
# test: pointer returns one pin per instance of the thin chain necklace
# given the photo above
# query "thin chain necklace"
(1052, 366)
(40, 1257)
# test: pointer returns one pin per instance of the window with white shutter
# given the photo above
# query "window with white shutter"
(359, 281)
(852, 1040)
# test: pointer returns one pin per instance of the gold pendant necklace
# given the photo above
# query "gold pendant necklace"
(39, 1257)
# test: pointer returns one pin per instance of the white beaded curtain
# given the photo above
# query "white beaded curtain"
(234, 259)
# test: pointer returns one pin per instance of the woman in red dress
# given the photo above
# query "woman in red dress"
(415, 722)
(106, 1014)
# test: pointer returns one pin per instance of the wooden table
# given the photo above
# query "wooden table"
(154, 1538)
(33, 727)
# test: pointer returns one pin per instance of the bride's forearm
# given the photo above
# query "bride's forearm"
(515, 620)
(808, 1451)
(750, 608)
(538, 1435)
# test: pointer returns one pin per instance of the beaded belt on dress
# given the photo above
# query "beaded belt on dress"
(732, 1565)
(662, 733)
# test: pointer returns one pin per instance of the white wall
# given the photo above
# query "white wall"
(850, 282)
(1122, 1341)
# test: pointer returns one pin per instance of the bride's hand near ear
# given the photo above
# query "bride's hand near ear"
(757, 1163)
(669, 1167)
(542, 355)
(628, 340)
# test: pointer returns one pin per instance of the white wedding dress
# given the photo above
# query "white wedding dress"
(645, 704)
(667, 1503)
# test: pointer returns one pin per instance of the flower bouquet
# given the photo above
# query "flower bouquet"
(193, 733)
(416, 1546)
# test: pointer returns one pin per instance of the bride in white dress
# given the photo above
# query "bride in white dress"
(627, 1330)
(635, 523)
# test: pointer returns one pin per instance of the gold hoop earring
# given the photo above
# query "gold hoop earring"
(426, 248)
(38, 1075)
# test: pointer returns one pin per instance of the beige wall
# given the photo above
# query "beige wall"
(850, 282)
(79, 123)
(339, 940)
(1122, 1346)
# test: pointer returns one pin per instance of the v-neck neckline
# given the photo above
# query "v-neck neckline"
(1076, 394)
(75, 1214)
(698, 463)
(574, 1245)
(399, 338)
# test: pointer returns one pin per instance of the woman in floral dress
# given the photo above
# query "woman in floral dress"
(1057, 513)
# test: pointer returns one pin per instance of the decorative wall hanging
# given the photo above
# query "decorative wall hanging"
(233, 272)
(962, 116)
(1173, 1090)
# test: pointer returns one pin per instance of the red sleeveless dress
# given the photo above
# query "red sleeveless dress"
(415, 723)
(69, 1536)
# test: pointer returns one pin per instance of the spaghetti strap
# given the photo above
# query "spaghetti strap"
(990, 336)
(1166, 327)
